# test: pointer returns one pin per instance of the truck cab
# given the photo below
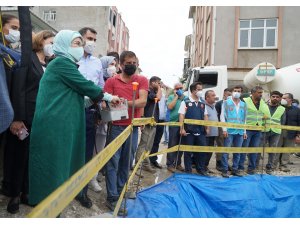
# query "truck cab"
(212, 77)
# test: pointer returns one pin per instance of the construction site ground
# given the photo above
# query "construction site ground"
(75, 210)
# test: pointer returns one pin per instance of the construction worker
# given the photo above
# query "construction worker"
(257, 110)
(192, 108)
(233, 111)
(272, 136)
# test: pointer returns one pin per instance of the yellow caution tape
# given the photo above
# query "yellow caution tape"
(125, 188)
(283, 127)
(222, 124)
(168, 150)
(142, 121)
(190, 148)
(63, 195)
(151, 121)
(178, 124)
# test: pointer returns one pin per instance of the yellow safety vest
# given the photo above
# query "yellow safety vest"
(275, 119)
(254, 116)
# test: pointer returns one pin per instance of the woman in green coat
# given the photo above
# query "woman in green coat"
(57, 139)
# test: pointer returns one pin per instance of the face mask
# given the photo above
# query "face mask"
(179, 93)
(199, 94)
(89, 47)
(111, 70)
(236, 94)
(76, 53)
(13, 36)
(48, 50)
(295, 104)
(283, 102)
(129, 69)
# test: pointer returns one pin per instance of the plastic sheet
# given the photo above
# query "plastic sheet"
(194, 196)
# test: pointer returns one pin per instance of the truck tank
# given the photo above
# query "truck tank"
(286, 79)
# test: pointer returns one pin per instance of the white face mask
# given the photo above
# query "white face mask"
(283, 102)
(236, 94)
(89, 47)
(111, 70)
(13, 36)
(48, 50)
(199, 94)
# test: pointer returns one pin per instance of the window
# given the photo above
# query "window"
(258, 33)
(49, 15)
(209, 79)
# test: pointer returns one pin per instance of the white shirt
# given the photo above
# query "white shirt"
(91, 68)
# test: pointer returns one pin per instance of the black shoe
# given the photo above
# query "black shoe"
(203, 173)
(225, 175)
(269, 171)
(236, 173)
(24, 199)
(112, 206)
(85, 201)
(13, 205)
(156, 164)
(251, 172)
(219, 168)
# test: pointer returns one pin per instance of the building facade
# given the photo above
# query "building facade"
(113, 35)
(242, 37)
(37, 23)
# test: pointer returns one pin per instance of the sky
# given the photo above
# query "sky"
(157, 36)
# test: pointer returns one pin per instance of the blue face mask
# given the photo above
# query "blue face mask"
(295, 104)
(76, 52)
(179, 93)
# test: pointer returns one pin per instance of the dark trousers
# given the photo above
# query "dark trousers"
(210, 141)
(15, 165)
(200, 157)
(90, 130)
(158, 135)
(172, 157)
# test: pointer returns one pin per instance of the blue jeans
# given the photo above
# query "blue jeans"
(90, 116)
(233, 140)
(200, 157)
(135, 137)
(166, 133)
(158, 135)
(253, 140)
(117, 168)
(174, 137)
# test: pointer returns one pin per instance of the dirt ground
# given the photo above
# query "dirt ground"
(75, 210)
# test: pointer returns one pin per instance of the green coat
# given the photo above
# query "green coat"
(57, 139)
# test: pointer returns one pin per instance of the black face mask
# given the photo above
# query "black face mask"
(129, 69)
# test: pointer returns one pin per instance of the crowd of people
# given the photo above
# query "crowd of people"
(58, 101)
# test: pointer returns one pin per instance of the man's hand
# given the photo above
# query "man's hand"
(16, 126)
(183, 132)
(297, 139)
(225, 134)
(115, 100)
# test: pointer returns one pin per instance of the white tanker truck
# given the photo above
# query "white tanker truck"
(286, 79)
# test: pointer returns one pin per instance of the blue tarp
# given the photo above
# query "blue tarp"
(194, 196)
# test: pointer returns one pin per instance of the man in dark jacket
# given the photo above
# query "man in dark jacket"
(289, 137)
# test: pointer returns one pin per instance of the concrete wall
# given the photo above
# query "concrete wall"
(224, 36)
(76, 17)
(291, 36)
(256, 12)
